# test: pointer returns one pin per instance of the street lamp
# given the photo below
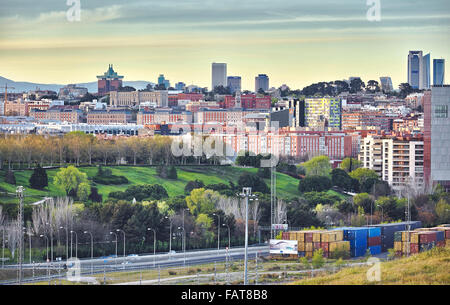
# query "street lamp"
(115, 259)
(51, 240)
(382, 212)
(76, 243)
(67, 242)
(154, 245)
(247, 194)
(184, 232)
(92, 250)
(218, 231)
(170, 234)
(124, 242)
(184, 244)
(48, 270)
(228, 234)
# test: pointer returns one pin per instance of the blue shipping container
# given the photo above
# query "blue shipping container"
(440, 235)
(374, 250)
(374, 231)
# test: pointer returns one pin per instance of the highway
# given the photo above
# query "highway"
(138, 262)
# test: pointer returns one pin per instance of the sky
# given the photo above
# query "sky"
(294, 42)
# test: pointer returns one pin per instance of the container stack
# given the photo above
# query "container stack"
(374, 240)
(357, 238)
(419, 240)
(388, 230)
(333, 242)
(308, 242)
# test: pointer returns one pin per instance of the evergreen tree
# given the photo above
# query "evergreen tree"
(172, 174)
(10, 178)
(39, 178)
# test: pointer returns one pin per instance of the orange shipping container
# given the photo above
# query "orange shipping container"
(308, 247)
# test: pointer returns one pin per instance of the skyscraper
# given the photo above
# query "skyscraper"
(438, 72)
(415, 69)
(386, 84)
(426, 72)
(436, 136)
(219, 75)
(323, 112)
(261, 82)
(163, 81)
(234, 83)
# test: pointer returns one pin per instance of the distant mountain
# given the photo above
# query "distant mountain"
(91, 86)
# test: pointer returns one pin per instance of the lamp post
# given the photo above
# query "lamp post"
(246, 193)
(170, 234)
(124, 243)
(92, 250)
(3, 248)
(48, 273)
(184, 231)
(382, 212)
(51, 241)
(154, 245)
(229, 244)
(218, 231)
(184, 244)
(115, 258)
(76, 243)
(67, 242)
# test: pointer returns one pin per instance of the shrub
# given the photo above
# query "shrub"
(10, 178)
(314, 184)
(39, 179)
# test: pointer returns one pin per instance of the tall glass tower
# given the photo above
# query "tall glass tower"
(438, 72)
(426, 72)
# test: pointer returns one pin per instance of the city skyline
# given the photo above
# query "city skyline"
(294, 42)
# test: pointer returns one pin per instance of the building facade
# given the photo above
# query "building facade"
(134, 98)
(108, 117)
(109, 81)
(438, 72)
(219, 75)
(323, 112)
(261, 82)
(234, 83)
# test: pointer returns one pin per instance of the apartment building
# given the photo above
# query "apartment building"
(108, 117)
(323, 112)
(135, 98)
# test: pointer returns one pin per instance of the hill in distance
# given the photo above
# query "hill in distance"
(91, 86)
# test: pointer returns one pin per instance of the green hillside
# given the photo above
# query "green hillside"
(286, 185)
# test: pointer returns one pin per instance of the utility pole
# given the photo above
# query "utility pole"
(246, 193)
(19, 192)
(273, 198)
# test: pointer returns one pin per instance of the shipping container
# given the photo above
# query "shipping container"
(374, 250)
(398, 246)
(285, 235)
(324, 246)
(440, 243)
(388, 230)
(309, 237)
(440, 235)
(447, 242)
(316, 246)
(339, 245)
(308, 254)
(398, 236)
(317, 237)
(374, 231)
(292, 235)
(308, 247)
(301, 253)
(301, 246)
(426, 237)
(446, 231)
(301, 236)
(374, 241)
(414, 248)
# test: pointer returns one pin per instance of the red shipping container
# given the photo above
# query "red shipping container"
(374, 241)
(308, 237)
(440, 243)
(427, 237)
(414, 248)
(316, 246)
(324, 247)
(398, 253)
(285, 235)
(447, 234)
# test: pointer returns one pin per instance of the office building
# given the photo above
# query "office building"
(437, 136)
(180, 86)
(109, 81)
(219, 75)
(163, 81)
(234, 83)
(426, 72)
(386, 84)
(261, 82)
(438, 72)
(415, 69)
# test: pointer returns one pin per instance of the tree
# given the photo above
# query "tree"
(69, 179)
(252, 180)
(83, 191)
(373, 86)
(314, 184)
(39, 179)
(365, 201)
(196, 184)
(350, 164)
(202, 201)
(317, 260)
(341, 179)
(301, 215)
(363, 174)
(10, 178)
(95, 196)
(443, 211)
(172, 174)
(356, 85)
(318, 166)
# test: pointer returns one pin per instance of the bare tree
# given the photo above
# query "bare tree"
(12, 232)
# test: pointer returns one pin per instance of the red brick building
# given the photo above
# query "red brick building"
(109, 81)
(249, 101)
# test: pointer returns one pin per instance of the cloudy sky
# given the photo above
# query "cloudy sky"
(295, 42)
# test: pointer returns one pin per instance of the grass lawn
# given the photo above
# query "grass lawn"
(286, 185)
(426, 268)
